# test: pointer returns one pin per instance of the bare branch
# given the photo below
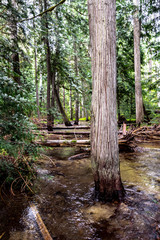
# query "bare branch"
(48, 10)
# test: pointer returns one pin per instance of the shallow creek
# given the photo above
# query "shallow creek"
(64, 199)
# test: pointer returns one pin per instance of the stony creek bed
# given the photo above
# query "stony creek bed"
(64, 200)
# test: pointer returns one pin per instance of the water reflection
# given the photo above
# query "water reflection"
(65, 200)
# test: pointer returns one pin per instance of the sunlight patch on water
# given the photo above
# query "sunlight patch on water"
(99, 212)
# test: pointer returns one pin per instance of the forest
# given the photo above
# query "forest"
(79, 119)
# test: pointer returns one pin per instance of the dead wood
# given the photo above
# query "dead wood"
(79, 156)
(41, 225)
(59, 143)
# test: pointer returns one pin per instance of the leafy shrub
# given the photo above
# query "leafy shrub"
(16, 148)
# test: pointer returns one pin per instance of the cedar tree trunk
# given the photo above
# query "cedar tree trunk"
(49, 73)
(104, 137)
(137, 67)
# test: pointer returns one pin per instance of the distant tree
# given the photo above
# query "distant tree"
(137, 66)
(104, 138)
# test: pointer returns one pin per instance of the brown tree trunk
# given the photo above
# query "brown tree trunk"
(49, 73)
(104, 136)
(71, 108)
(65, 118)
(53, 94)
(14, 39)
(76, 94)
(137, 67)
(76, 110)
(36, 78)
(64, 100)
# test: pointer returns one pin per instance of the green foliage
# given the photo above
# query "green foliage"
(14, 108)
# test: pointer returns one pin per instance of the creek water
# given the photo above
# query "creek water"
(65, 201)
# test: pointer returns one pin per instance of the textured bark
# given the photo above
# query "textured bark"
(64, 99)
(49, 73)
(36, 78)
(76, 94)
(70, 103)
(53, 95)
(137, 67)
(65, 118)
(104, 136)
(14, 39)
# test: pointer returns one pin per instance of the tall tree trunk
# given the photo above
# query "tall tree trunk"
(62, 111)
(137, 67)
(49, 73)
(14, 39)
(76, 94)
(36, 78)
(70, 102)
(83, 107)
(53, 93)
(64, 100)
(86, 112)
(104, 137)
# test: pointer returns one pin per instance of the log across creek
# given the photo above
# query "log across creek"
(80, 136)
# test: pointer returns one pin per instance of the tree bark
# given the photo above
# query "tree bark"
(137, 67)
(64, 100)
(70, 102)
(65, 118)
(104, 136)
(53, 94)
(76, 94)
(49, 73)
(36, 78)
(14, 39)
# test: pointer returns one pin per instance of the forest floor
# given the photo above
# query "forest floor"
(63, 205)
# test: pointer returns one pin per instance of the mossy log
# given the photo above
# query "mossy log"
(124, 145)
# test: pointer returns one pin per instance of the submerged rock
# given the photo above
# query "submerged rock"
(100, 212)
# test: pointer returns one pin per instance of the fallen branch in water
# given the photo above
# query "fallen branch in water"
(41, 225)
(2, 235)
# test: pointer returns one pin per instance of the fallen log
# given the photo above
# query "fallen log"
(124, 145)
(63, 127)
(59, 143)
(79, 156)
(71, 127)
(40, 223)
(69, 133)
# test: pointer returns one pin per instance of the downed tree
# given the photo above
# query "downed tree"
(42, 227)
(62, 111)
(63, 128)
(124, 145)
(60, 143)
(145, 133)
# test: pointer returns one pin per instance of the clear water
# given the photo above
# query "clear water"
(64, 199)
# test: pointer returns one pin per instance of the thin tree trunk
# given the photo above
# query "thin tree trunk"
(82, 107)
(49, 73)
(76, 110)
(76, 95)
(71, 108)
(104, 136)
(14, 39)
(65, 118)
(137, 67)
(86, 112)
(64, 100)
(36, 79)
(53, 94)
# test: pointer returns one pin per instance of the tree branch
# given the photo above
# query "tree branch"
(48, 10)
